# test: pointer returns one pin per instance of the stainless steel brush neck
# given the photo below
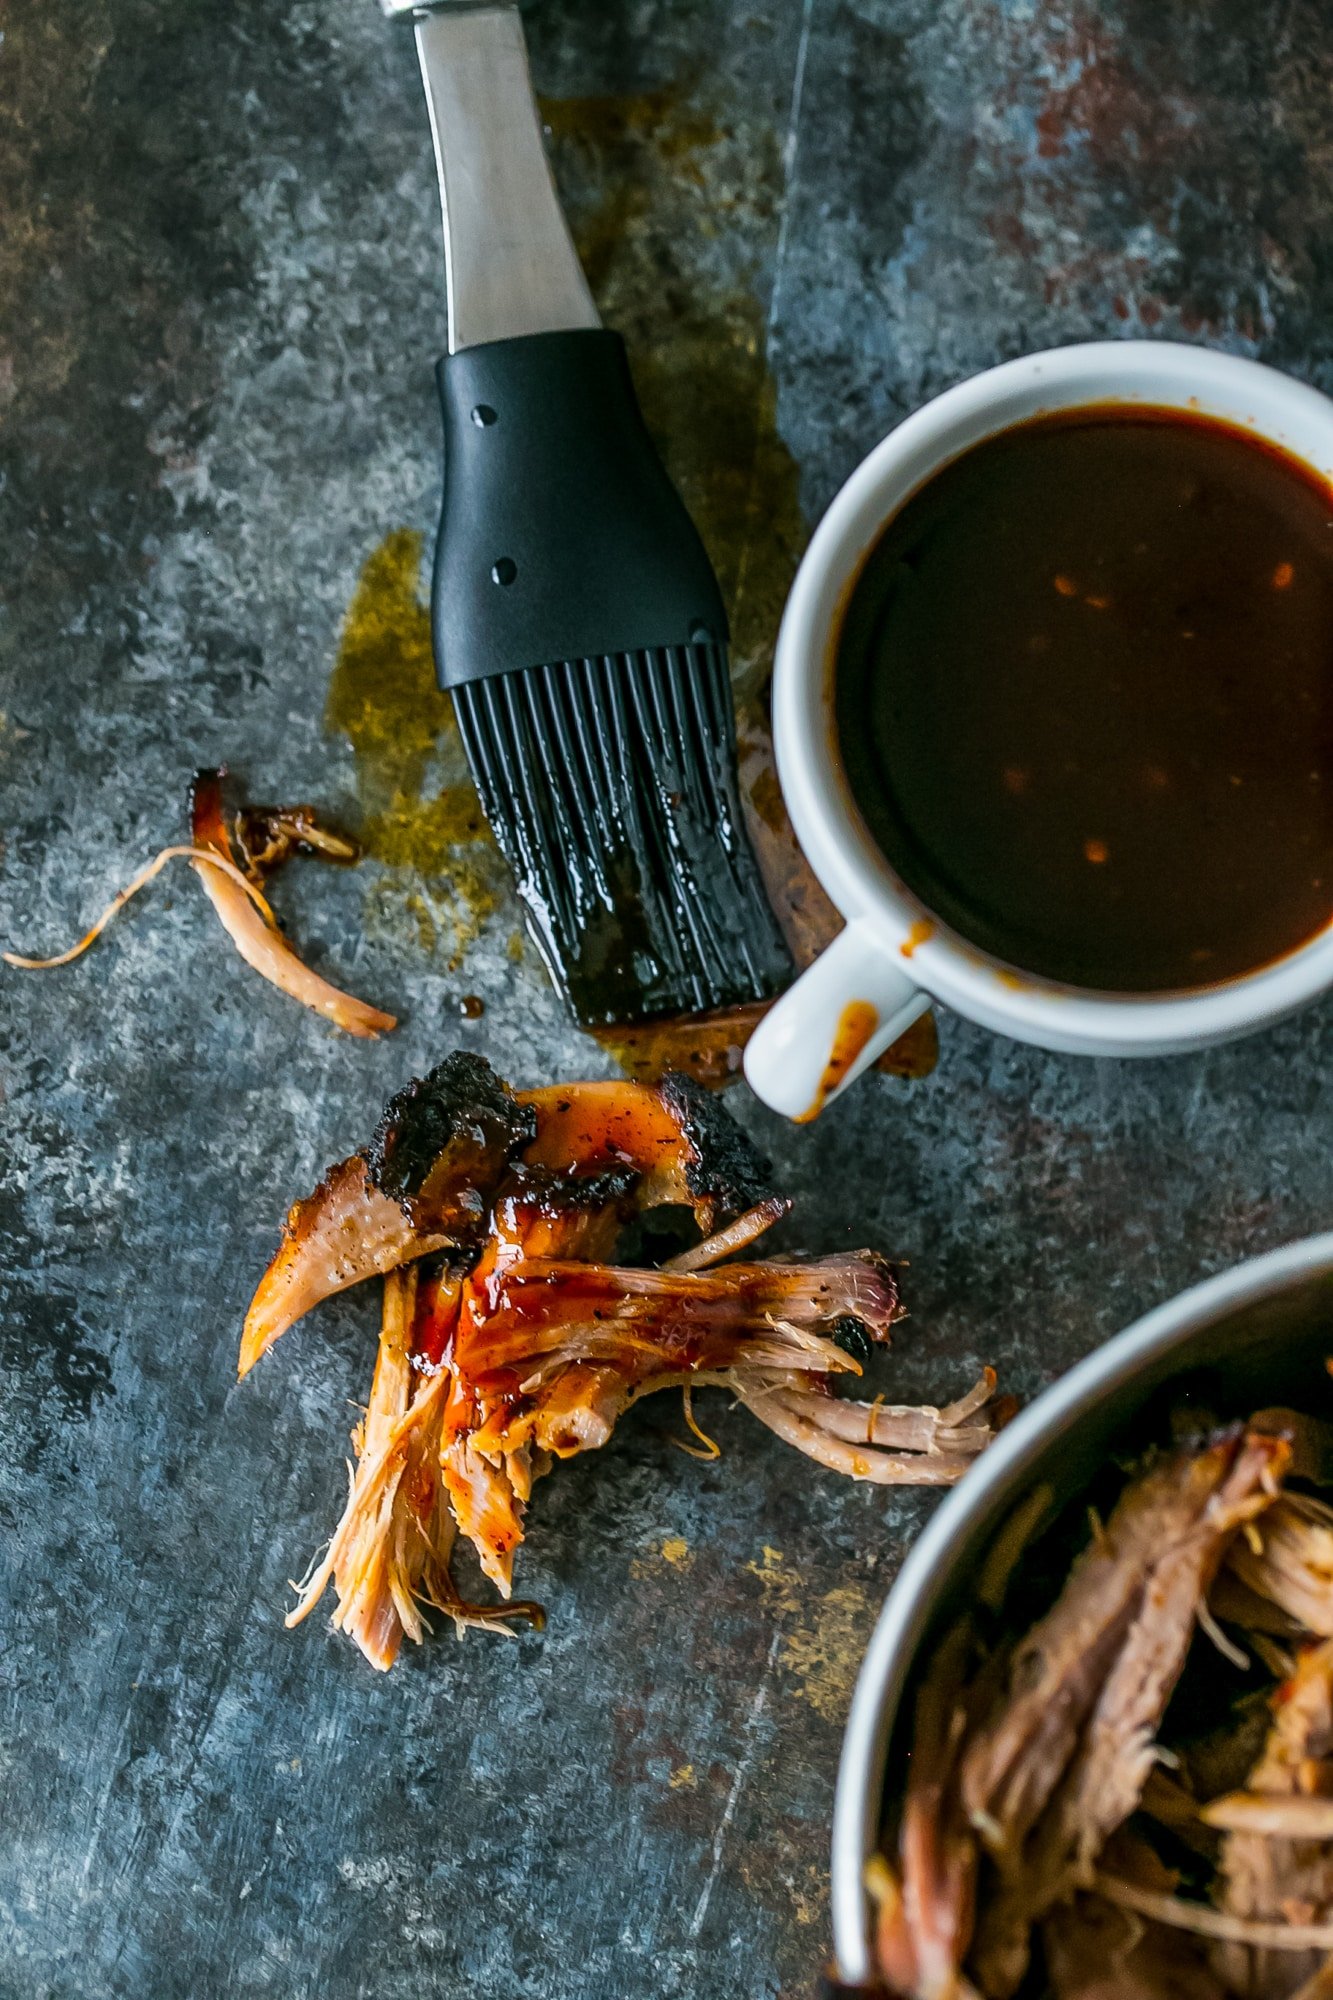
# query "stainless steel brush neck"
(511, 266)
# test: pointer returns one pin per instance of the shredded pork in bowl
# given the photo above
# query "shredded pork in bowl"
(1091, 1749)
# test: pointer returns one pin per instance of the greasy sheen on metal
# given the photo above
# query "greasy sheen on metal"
(510, 263)
(611, 786)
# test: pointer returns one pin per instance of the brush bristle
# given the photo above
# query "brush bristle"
(611, 787)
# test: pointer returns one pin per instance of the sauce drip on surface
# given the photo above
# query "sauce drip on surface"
(1084, 698)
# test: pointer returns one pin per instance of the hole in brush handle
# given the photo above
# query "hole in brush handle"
(561, 474)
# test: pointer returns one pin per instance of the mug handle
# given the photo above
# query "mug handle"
(833, 1022)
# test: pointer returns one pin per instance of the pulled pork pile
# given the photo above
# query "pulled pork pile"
(1134, 1801)
(510, 1338)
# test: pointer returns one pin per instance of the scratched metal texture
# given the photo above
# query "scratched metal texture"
(220, 298)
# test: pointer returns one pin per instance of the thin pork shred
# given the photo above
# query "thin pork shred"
(1280, 1865)
(516, 1330)
(260, 840)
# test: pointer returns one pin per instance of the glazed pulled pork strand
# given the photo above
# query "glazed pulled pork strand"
(522, 1327)
(491, 1445)
(543, 1311)
(889, 1444)
(456, 1484)
(390, 1554)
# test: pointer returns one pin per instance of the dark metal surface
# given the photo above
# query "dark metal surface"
(220, 299)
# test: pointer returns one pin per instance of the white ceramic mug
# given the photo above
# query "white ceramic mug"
(896, 956)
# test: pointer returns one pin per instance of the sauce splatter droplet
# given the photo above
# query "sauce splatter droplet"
(856, 1024)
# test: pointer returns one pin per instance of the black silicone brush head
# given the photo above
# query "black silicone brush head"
(611, 787)
(579, 624)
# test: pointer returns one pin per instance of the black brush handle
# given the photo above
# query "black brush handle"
(561, 537)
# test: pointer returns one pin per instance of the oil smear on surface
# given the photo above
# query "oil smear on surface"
(824, 1634)
(638, 176)
(441, 875)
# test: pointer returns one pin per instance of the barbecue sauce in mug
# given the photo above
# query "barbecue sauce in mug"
(1084, 698)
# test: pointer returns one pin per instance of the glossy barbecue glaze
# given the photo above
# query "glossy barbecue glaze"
(1084, 693)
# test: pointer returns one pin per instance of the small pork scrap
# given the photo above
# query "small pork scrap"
(519, 1324)
(234, 853)
(259, 840)
(1094, 1950)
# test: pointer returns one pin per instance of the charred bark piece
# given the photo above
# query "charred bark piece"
(685, 1145)
(541, 1213)
(425, 1183)
(444, 1140)
(724, 1171)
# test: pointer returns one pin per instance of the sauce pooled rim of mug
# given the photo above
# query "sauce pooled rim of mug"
(895, 955)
